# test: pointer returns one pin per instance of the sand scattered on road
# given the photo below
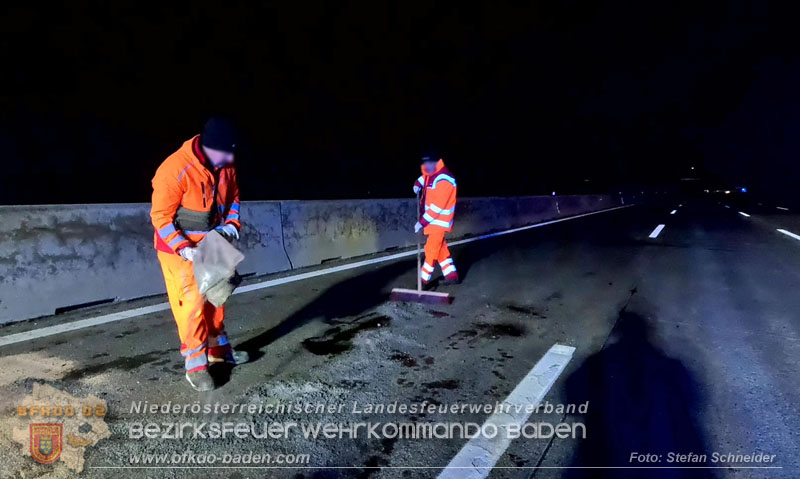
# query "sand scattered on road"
(34, 365)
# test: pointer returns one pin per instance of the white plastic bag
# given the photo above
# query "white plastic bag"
(215, 268)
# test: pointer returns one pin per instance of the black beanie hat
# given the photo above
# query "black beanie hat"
(219, 134)
(429, 156)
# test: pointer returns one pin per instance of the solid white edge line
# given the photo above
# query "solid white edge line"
(744, 214)
(131, 313)
(789, 234)
(83, 323)
(657, 231)
(420, 293)
(479, 455)
(673, 212)
(782, 208)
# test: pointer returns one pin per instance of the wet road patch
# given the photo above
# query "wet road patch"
(340, 338)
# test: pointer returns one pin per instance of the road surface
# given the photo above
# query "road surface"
(684, 343)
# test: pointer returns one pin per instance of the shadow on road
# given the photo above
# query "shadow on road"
(350, 297)
(471, 254)
(641, 401)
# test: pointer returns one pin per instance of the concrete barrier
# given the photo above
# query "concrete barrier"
(571, 205)
(262, 238)
(482, 215)
(316, 231)
(57, 257)
(61, 256)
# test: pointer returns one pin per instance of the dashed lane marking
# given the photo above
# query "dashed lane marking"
(657, 231)
(789, 234)
(478, 456)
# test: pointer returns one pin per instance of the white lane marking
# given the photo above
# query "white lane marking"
(83, 323)
(657, 231)
(726, 206)
(789, 234)
(132, 313)
(744, 214)
(673, 212)
(782, 208)
(478, 456)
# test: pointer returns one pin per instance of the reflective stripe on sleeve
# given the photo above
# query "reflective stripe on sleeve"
(443, 177)
(177, 240)
(166, 231)
(184, 170)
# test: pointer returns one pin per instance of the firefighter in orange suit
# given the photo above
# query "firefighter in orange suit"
(195, 191)
(437, 192)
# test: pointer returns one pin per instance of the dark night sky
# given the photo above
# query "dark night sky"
(337, 100)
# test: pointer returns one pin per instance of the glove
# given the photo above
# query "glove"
(416, 189)
(229, 232)
(417, 227)
(188, 253)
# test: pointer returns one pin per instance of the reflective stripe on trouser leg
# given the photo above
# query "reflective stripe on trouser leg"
(188, 309)
(446, 262)
(433, 248)
(448, 268)
(426, 271)
(196, 358)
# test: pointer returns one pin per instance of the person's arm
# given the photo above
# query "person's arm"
(167, 195)
(419, 184)
(233, 218)
(231, 224)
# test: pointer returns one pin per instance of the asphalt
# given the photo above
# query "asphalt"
(684, 343)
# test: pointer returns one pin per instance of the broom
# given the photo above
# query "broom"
(419, 296)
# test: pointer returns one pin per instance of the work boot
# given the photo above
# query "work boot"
(451, 279)
(231, 357)
(200, 380)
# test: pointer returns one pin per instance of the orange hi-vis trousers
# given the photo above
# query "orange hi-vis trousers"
(200, 324)
(436, 251)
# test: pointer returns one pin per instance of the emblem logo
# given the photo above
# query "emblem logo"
(46, 442)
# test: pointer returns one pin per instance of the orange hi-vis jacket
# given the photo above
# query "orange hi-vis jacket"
(438, 199)
(190, 198)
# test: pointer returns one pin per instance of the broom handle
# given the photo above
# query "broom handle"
(419, 255)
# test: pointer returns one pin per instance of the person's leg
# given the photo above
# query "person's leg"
(432, 247)
(218, 346)
(446, 263)
(187, 308)
(219, 349)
